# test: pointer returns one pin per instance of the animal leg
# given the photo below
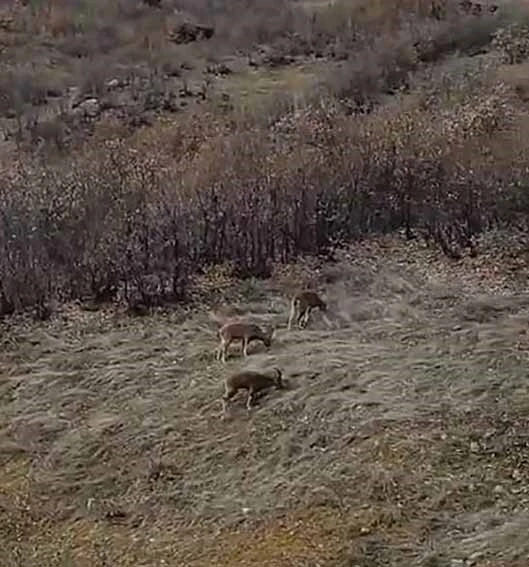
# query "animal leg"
(300, 318)
(218, 351)
(225, 401)
(245, 346)
(304, 318)
(225, 346)
(292, 315)
(250, 399)
(224, 408)
(258, 395)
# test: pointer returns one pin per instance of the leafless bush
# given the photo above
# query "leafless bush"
(380, 68)
(512, 41)
(52, 132)
(102, 40)
(141, 222)
(94, 76)
(464, 34)
(23, 85)
(140, 218)
(384, 64)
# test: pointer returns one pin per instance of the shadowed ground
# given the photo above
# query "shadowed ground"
(400, 440)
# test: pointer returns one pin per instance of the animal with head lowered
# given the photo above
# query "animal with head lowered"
(253, 382)
(242, 331)
(302, 304)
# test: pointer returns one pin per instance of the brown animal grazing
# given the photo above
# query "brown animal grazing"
(251, 381)
(244, 332)
(304, 302)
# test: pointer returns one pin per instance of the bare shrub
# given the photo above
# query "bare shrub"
(384, 65)
(381, 68)
(52, 132)
(94, 76)
(22, 85)
(90, 44)
(464, 34)
(140, 219)
(513, 42)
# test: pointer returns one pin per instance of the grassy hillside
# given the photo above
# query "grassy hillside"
(400, 439)
(165, 159)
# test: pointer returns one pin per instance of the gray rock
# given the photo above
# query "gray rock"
(187, 32)
(90, 107)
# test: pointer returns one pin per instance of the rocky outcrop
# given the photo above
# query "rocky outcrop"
(187, 32)
(89, 107)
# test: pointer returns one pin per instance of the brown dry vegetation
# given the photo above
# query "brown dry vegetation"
(410, 125)
(399, 440)
(140, 171)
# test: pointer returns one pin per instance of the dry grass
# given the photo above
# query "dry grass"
(399, 440)
(254, 88)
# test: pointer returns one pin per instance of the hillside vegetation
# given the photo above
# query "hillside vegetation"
(314, 125)
(165, 159)
(400, 439)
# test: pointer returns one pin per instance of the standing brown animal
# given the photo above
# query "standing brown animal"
(303, 303)
(251, 381)
(244, 332)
